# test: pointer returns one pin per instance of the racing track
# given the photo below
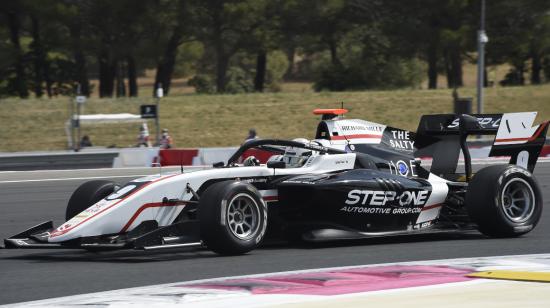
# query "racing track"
(37, 274)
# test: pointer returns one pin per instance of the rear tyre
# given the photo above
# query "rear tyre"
(87, 195)
(504, 201)
(232, 217)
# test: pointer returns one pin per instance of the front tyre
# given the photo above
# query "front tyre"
(232, 217)
(504, 201)
(87, 195)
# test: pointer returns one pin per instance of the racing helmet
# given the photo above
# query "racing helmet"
(322, 142)
(295, 156)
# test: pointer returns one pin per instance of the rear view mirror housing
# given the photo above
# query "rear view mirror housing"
(276, 164)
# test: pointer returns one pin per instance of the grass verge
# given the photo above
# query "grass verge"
(223, 120)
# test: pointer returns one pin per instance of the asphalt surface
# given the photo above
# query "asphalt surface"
(31, 198)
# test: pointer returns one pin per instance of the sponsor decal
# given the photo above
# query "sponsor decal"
(381, 198)
(254, 180)
(403, 168)
(373, 128)
(485, 122)
(423, 225)
(379, 210)
(401, 140)
(340, 162)
(95, 208)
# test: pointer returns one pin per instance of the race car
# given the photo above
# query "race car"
(355, 179)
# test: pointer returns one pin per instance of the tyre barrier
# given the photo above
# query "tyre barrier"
(57, 160)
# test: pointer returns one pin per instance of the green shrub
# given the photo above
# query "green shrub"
(371, 74)
(238, 81)
(188, 58)
(203, 84)
(277, 64)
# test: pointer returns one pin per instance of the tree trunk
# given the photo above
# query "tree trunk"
(261, 63)
(170, 62)
(103, 68)
(111, 77)
(120, 86)
(165, 67)
(20, 86)
(485, 78)
(546, 65)
(222, 64)
(132, 76)
(521, 74)
(453, 68)
(456, 65)
(432, 66)
(49, 82)
(38, 55)
(536, 68)
(158, 78)
(107, 72)
(448, 71)
(334, 52)
(290, 54)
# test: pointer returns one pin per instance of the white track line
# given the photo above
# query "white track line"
(103, 169)
(81, 178)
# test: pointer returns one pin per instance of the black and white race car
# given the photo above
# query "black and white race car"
(356, 179)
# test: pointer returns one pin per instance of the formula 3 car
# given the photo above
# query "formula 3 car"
(356, 179)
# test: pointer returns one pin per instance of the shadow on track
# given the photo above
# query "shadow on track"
(138, 256)
(388, 240)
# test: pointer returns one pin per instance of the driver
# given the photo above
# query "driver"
(293, 157)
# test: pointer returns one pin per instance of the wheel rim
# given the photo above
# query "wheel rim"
(518, 200)
(243, 216)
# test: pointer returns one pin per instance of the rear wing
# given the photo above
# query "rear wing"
(442, 136)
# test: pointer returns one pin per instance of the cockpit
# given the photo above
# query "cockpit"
(282, 153)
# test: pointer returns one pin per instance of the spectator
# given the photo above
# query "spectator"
(251, 134)
(165, 140)
(143, 137)
(85, 142)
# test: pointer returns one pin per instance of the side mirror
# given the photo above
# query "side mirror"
(276, 164)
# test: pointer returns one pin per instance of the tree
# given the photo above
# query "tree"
(13, 11)
(175, 22)
(518, 32)
(227, 28)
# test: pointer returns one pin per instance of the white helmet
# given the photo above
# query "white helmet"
(296, 156)
(322, 142)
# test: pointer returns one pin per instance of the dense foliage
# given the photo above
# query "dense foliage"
(49, 46)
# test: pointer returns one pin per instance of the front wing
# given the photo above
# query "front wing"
(147, 236)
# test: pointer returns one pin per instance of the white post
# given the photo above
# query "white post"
(160, 93)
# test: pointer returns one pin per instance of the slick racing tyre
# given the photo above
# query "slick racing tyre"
(504, 201)
(87, 195)
(232, 217)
